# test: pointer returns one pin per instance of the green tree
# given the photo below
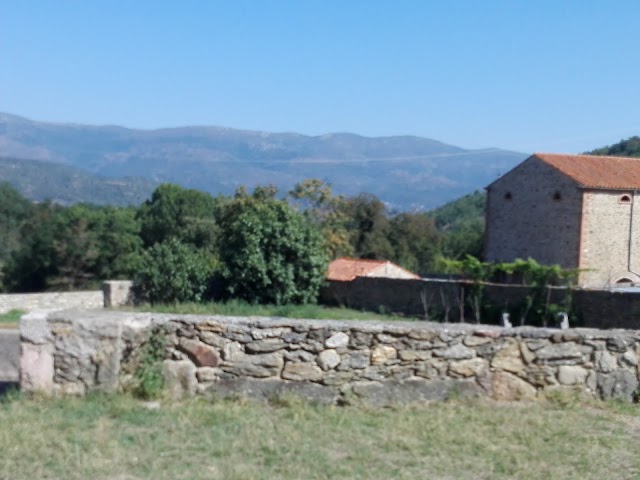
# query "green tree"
(461, 224)
(172, 272)
(75, 247)
(15, 210)
(175, 212)
(34, 262)
(118, 243)
(317, 202)
(415, 240)
(269, 253)
(369, 227)
(467, 238)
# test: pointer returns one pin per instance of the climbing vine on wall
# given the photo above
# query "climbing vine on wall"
(537, 305)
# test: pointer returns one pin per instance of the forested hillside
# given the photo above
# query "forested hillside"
(624, 148)
(65, 185)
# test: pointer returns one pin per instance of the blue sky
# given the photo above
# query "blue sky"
(524, 75)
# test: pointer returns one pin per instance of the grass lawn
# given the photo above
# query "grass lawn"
(243, 309)
(10, 319)
(116, 437)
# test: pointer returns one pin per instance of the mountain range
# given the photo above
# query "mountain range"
(406, 172)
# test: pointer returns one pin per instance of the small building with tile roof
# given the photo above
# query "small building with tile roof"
(578, 211)
(347, 269)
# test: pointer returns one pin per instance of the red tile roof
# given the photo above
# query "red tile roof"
(597, 171)
(347, 269)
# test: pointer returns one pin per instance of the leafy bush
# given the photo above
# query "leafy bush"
(148, 375)
(172, 272)
(269, 252)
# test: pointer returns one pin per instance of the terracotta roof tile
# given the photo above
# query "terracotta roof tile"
(597, 171)
(347, 269)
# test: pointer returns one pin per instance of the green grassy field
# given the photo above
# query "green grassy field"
(119, 437)
(10, 319)
(243, 309)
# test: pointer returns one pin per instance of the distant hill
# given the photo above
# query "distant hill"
(406, 172)
(460, 212)
(38, 180)
(624, 148)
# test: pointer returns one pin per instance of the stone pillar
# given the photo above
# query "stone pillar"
(117, 293)
(36, 359)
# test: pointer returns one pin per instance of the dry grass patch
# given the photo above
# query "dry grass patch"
(119, 438)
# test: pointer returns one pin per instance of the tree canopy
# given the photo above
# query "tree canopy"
(269, 253)
(259, 246)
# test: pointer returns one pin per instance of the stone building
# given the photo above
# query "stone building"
(577, 211)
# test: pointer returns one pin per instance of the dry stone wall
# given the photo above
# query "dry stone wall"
(378, 364)
(50, 300)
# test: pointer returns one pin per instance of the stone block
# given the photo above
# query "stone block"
(212, 338)
(559, 351)
(617, 344)
(301, 372)
(232, 352)
(508, 358)
(299, 356)
(414, 355)
(360, 339)
(207, 374)
(200, 353)
(117, 293)
(540, 375)
(337, 340)
(210, 326)
(328, 359)
(469, 368)
(356, 360)
(259, 365)
(383, 353)
(107, 362)
(276, 332)
(180, 378)
(572, 375)
(620, 384)
(506, 386)
(266, 345)
(34, 327)
(36, 368)
(456, 352)
(474, 341)
(628, 359)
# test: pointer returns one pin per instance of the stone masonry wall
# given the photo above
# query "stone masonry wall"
(378, 364)
(526, 218)
(605, 246)
(595, 308)
(114, 293)
(51, 300)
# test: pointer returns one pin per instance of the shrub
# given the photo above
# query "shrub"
(171, 272)
(269, 252)
(149, 377)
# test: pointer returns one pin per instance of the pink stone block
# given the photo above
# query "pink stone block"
(36, 368)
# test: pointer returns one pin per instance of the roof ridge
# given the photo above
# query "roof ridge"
(607, 172)
(369, 260)
(581, 155)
